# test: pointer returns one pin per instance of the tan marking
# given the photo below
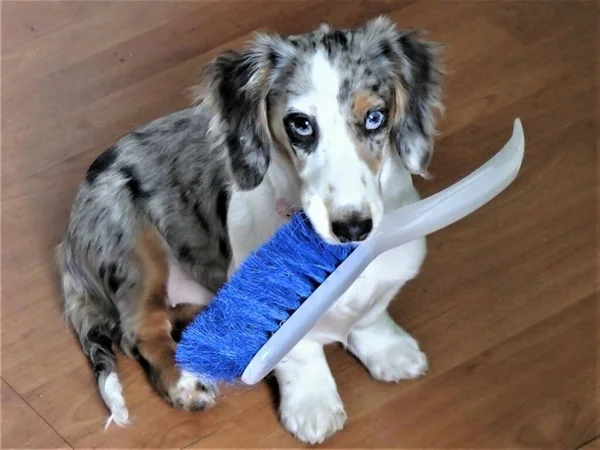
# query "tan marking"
(399, 105)
(363, 102)
(373, 162)
(153, 328)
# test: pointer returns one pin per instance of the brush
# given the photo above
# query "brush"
(282, 289)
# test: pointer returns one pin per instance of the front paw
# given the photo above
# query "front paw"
(401, 361)
(190, 393)
(391, 355)
(313, 417)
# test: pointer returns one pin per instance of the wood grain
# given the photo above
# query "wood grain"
(506, 304)
(21, 427)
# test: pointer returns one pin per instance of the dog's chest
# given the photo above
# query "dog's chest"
(371, 293)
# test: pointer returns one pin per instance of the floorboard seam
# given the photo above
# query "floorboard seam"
(589, 441)
(36, 412)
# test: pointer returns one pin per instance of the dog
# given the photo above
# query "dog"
(334, 122)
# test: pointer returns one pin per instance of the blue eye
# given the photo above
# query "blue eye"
(300, 125)
(374, 120)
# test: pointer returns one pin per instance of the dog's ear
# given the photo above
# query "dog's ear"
(236, 86)
(416, 65)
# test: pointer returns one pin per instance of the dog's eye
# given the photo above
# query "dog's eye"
(299, 125)
(374, 120)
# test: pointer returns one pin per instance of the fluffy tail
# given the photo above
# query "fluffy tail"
(96, 329)
(97, 345)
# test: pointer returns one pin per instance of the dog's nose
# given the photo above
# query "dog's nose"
(352, 230)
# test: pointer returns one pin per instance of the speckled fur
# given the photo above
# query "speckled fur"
(178, 173)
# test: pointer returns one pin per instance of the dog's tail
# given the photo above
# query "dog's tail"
(96, 330)
(97, 345)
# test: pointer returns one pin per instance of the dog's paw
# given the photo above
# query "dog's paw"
(400, 361)
(190, 393)
(313, 417)
(388, 352)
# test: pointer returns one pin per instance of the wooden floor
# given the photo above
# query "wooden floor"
(506, 305)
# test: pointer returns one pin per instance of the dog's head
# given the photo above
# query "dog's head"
(336, 103)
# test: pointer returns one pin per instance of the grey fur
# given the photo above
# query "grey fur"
(177, 172)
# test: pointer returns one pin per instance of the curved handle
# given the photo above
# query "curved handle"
(455, 202)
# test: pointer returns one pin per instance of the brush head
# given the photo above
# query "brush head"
(263, 293)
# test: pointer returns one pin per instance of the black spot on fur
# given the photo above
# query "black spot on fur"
(142, 361)
(101, 164)
(184, 198)
(185, 254)
(102, 271)
(386, 50)
(133, 183)
(222, 206)
(101, 354)
(180, 124)
(176, 331)
(141, 136)
(224, 247)
(344, 93)
(118, 237)
(200, 217)
(114, 281)
(274, 58)
(335, 40)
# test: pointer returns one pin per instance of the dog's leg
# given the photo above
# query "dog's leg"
(180, 316)
(310, 407)
(388, 352)
(156, 346)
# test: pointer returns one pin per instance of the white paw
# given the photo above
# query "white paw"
(313, 417)
(190, 393)
(400, 360)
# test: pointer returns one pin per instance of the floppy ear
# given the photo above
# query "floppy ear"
(415, 65)
(420, 77)
(236, 87)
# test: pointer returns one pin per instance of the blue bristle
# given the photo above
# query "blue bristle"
(265, 290)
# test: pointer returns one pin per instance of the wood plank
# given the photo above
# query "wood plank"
(592, 445)
(493, 286)
(21, 427)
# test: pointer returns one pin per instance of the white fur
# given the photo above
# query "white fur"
(188, 393)
(388, 351)
(310, 407)
(112, 394)
(333, 174)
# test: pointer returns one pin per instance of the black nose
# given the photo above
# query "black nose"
(352, 230)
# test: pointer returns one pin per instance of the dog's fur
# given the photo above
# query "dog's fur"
(167, 213)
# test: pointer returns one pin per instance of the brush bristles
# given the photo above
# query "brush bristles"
(263, 293)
